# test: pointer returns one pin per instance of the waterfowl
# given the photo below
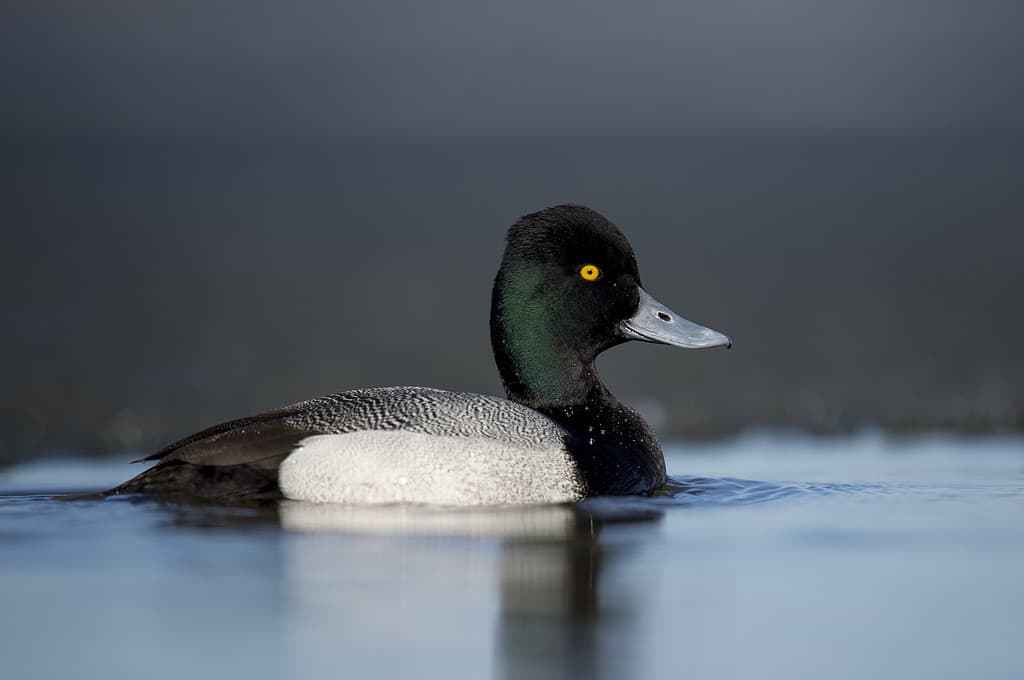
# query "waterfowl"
(567, 289)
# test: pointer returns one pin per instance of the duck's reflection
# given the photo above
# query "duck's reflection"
(549, 606)
(553, 623)
(547, 571)
(534, 522)
(548, 575)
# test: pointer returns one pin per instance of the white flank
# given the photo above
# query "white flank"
(393, 466)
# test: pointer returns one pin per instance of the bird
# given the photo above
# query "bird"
(567, 288)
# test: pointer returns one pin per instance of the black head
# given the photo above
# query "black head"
(571, 274)
(568, 289)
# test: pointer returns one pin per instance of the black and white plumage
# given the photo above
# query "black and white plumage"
(387, 444)
(567, 289)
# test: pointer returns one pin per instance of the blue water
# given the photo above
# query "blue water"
(769, 555)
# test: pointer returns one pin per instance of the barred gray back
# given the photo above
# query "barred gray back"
(428, 411)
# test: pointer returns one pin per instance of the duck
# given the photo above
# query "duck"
(567, 289)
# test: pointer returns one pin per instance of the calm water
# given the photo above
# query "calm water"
(772, 556)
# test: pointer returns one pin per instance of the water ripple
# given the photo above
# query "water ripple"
(684, 490)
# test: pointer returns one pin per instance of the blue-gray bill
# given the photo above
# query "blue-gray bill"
(654, 322)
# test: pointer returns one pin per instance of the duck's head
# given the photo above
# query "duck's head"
(568, 289)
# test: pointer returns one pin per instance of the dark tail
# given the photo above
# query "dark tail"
(208, 482)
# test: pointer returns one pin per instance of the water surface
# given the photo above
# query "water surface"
(769, 555)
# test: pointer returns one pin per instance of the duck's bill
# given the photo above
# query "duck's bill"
(654, 322)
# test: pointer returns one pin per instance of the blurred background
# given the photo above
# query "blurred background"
(214, 208)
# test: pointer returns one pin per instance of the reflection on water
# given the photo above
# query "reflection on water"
(536, 521)
(550, 607)
(544, 568)
(765, 557)
(538, 569)
(547, 567)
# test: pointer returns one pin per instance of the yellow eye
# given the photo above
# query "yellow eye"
(590, 272)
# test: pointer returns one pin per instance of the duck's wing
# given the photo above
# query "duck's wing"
(245, 440)
(240, 458)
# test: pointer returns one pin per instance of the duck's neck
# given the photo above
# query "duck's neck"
(542, 362)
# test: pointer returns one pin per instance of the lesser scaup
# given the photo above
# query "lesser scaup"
(567, 289)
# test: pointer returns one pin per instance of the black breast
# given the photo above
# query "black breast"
(615, 449)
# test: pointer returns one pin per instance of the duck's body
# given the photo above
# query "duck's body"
(567, 289)
(413, 444)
